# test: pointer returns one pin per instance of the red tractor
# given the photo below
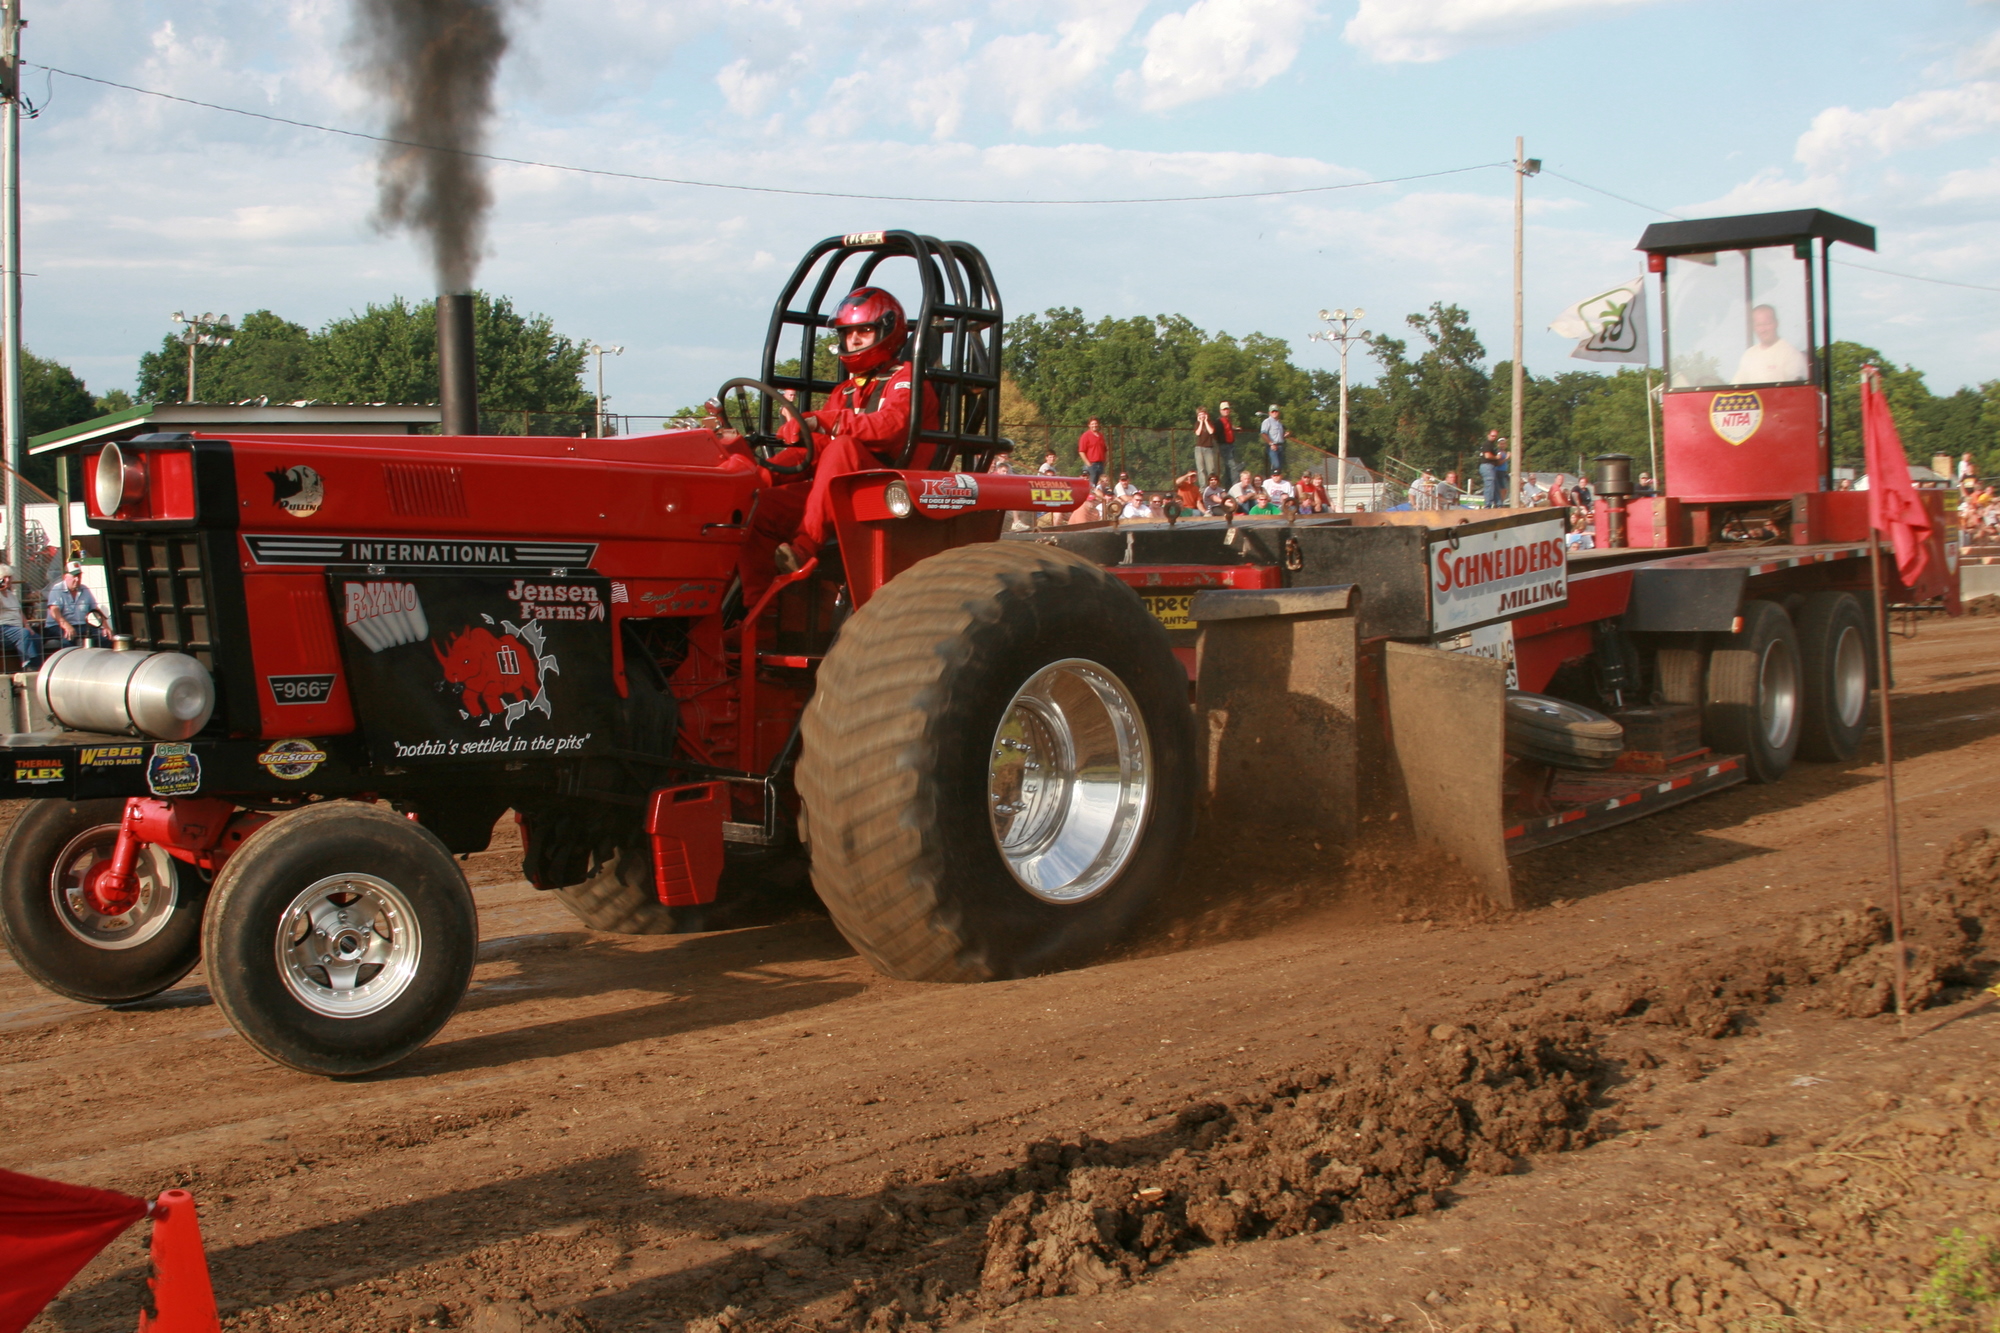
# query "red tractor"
(345, 658)
(342, 659)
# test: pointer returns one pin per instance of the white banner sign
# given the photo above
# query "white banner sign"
(1610, 325)
(1489, 576)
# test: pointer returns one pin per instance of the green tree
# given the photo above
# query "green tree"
(1430, 411)
(528, 374)
(268, 357)
(51, 397)
(1910, 401)
(116, 400)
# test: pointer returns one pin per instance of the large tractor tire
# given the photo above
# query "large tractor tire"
(1752, 704)
(1555, 731)
(620, 896)
(56, 934)
(1833, 659)
(340, 938)
(998, 768)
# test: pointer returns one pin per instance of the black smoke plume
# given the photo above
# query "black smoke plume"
(433, 61)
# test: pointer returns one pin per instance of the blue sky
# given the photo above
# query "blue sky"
(135, 208)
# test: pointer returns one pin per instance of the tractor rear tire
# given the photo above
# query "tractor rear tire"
(74, 951)
(1833, 658)
(1752, 700)
(998, 768)
(340, 939)
(619, 898)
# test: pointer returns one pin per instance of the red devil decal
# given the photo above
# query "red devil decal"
(492, 669)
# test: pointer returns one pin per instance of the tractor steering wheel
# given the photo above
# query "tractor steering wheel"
(744, 418)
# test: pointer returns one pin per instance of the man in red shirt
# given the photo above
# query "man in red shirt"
(1225, 438)
(1090, 445)
(862, 425)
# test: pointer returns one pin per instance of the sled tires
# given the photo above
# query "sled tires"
(57, 937)
(998, 769)
(340, 938)
(619, 898)
(1752, 701)
(1833, 662)
(1555, 731)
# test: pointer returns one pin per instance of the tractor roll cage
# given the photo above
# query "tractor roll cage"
(953, 348)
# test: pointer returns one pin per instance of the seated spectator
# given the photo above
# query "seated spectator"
(1449, 491)
(1312, 494)
(1136, 506)
(1262, 504)
(71, 606)
(1187, 491)
(1125, 490)
(1278, 488)
(1424, 492)
(1213, 495)
(1245, 487)
(1645, 485)
(1048, 468)
(23, 642)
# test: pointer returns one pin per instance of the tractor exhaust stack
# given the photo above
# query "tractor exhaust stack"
(458, 389)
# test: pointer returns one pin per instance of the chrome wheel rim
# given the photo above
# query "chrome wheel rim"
(159, 886)
(1069, 781)
(1778, 693)
(349, 945)
(1850, 677)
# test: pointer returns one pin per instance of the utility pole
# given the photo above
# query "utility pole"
(1344, 333)
(1524, 167)
(10, 264)
(198, 334)
(600, 351)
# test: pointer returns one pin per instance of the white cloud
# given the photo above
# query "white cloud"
(1425, 30)
(1214, 46)
(1043, 75)
(1841, 134)
(1970, 183)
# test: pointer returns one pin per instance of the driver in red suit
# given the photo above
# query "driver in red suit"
(862, 425)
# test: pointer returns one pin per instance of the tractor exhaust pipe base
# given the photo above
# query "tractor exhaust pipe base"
(458, 384)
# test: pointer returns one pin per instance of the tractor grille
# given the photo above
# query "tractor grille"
(160, 586)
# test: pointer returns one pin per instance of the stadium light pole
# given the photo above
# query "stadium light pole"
(1344, 333)
(600, 351)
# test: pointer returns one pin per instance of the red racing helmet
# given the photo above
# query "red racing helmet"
(869, 308)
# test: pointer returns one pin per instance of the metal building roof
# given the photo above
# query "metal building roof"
(258, 418)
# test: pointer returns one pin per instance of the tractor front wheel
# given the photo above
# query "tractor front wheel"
(998, 767)
(72, 944)
(340, 939)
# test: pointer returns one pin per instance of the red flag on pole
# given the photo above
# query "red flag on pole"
(48, 1232)
(1894, 507)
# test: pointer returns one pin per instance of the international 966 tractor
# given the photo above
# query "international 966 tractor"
(341, 660)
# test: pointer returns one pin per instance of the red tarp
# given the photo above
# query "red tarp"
(49, 1231)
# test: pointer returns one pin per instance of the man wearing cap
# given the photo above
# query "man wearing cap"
(70, 606)
(13, 629)
(1274, 439)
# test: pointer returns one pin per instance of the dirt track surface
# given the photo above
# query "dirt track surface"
(1653, 1101)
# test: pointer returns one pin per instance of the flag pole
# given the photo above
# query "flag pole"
(1869, 375)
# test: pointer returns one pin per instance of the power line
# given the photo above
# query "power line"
(1844, 263)
(754, 189)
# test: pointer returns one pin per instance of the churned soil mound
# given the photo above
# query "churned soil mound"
(1668, 1094)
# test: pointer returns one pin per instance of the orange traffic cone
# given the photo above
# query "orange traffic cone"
(183, 1300)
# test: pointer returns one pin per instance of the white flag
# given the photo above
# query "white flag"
(1611, 325)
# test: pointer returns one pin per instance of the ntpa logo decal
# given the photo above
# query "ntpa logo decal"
(1735, 416)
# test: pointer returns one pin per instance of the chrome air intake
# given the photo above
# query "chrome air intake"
(167, 696)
